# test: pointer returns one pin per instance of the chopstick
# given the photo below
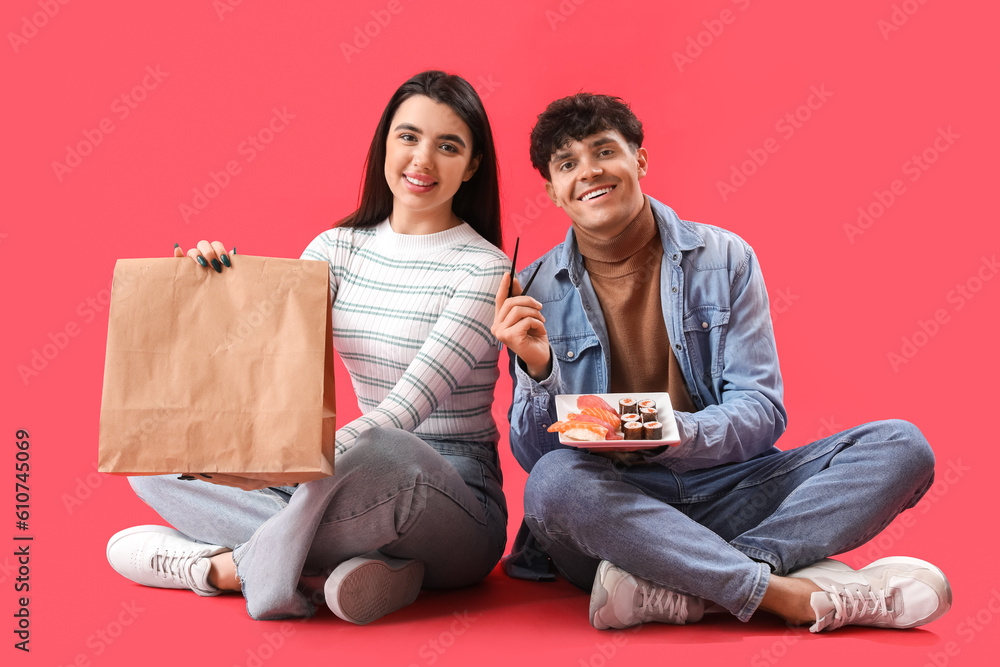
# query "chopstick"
(513, 262)
(528, 284)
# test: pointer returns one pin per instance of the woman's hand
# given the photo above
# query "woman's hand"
(245, 483)
(207, 254)
(519, 324)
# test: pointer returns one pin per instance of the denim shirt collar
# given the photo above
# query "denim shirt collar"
(674, 232)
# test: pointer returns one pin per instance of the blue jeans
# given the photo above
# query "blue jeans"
(718, 533)
(437, 502)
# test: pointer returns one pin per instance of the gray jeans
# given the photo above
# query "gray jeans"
(437, 502)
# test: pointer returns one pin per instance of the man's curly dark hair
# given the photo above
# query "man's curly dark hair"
(575, 117)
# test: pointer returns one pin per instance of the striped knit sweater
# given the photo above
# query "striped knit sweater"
(411, 321)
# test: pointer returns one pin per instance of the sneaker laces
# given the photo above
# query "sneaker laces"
(857, 603)
(178, 566)
(662, 604)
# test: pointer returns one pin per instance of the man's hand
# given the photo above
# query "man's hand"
(518, 323)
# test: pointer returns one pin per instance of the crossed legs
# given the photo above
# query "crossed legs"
(728, 534)
(392, 492)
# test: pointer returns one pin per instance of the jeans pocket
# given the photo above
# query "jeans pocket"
(473, 496)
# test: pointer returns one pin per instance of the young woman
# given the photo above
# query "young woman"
(416, 498)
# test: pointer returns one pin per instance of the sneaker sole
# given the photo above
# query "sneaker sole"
(371, 588)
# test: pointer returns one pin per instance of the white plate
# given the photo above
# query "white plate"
(566, 403)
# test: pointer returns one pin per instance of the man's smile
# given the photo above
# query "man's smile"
(594, 193)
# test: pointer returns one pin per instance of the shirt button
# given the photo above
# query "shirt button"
(570, 354)
(674, 257)
(674, 290)
(704, 325)
(678, 346)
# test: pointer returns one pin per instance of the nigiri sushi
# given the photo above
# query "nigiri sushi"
(612, 434)
(592, 401)
(580, 430)
(609, 416)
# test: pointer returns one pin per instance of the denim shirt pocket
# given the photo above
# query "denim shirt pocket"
(570, 349)
(705, 330)
(580, 358)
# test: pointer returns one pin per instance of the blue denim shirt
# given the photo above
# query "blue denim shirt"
(716, 311)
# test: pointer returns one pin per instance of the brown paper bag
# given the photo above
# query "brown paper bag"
(228, 373)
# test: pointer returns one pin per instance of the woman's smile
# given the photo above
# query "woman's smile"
(419, 183)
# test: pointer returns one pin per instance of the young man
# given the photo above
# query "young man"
(636, 300)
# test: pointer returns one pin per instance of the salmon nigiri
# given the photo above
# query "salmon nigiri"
(579, 430)
(612, 434)
(591, 401)
(604, 415)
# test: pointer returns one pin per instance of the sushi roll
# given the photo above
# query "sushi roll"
(626, 406)
(631, 417)
(647, 415)
(633, 430)
(651, 431)
(648, 403)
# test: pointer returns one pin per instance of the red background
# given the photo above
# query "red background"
(842, 302)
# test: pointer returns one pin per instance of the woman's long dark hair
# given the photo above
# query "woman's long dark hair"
(477, 201)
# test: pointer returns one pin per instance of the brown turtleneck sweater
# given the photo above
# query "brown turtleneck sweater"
(625, 272)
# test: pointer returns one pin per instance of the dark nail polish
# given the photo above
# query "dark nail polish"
(177, 245)
(205, 476)
(234, 250)
(186, 478)
(225, 260)
(201, 260)
(216, 266)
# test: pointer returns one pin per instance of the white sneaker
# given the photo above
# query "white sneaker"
(896, 592)
(621, 600)
(363, 589)
(821, 567)
(163, 558)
